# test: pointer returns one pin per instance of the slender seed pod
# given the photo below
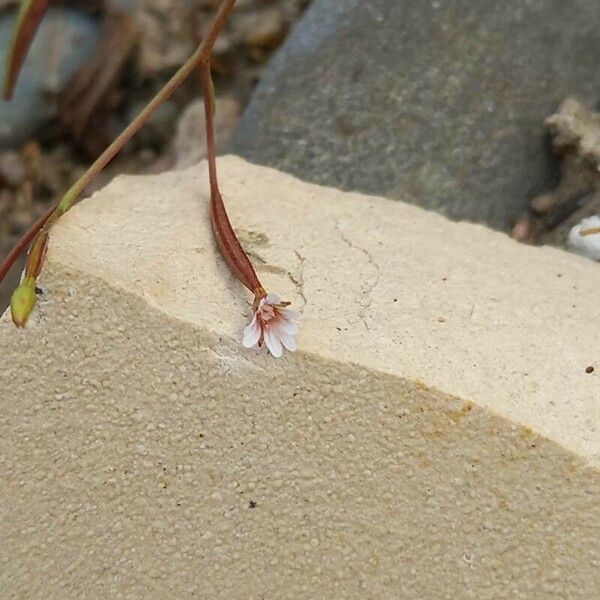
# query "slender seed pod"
(272, 323)
(227, 241)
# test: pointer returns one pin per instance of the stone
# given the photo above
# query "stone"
(189, 144)
(556, 215)
(439, 422)
(438, 103)
(12, 168)
(165, 34)
(65, 40)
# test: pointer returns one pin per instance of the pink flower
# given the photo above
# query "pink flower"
(272, 324)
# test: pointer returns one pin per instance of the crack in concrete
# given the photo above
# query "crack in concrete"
(298, 278)
(263, 265)
(366, 299)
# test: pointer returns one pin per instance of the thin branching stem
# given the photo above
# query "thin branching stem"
(24, 241)
(200, 56)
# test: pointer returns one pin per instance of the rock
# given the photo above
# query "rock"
(12, 168)
(159, 128)
(64, 41)
(576, 129)
(264, 29)
(166, 39)
(439, 422)
(441, 102)
(189, 145)
(555, 215)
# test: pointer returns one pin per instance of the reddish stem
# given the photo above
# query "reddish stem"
(201, 55)
(8, 262)
(27, 24)
(227, 241)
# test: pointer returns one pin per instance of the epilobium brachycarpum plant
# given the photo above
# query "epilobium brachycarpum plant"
(273, 323)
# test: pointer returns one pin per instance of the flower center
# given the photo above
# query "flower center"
(267, 312)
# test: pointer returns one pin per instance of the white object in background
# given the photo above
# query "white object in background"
(587, 245)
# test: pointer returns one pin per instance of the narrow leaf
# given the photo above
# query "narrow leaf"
(29, 19)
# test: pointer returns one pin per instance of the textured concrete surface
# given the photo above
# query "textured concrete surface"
(438, 102)
(436, 435)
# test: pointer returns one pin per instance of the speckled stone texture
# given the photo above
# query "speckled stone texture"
(436, 435)
(441, 103)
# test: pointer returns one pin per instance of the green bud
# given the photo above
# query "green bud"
(23, 301)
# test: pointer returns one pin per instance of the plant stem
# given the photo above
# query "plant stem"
(200, 56)
(208, 95)
(227, 241)
(24, 242)
(30, 16)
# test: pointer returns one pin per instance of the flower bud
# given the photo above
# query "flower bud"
(22, 301)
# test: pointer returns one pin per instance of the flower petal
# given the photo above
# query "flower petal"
(273, 343)
(251, 333)
(287, 327)
(291, 314)
(272, 298)
(288, 341)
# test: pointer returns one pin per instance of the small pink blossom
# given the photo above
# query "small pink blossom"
(273, 324)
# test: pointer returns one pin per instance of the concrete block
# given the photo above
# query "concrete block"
(435, 436)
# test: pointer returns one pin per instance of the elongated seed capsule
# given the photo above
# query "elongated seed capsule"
(227, 241)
